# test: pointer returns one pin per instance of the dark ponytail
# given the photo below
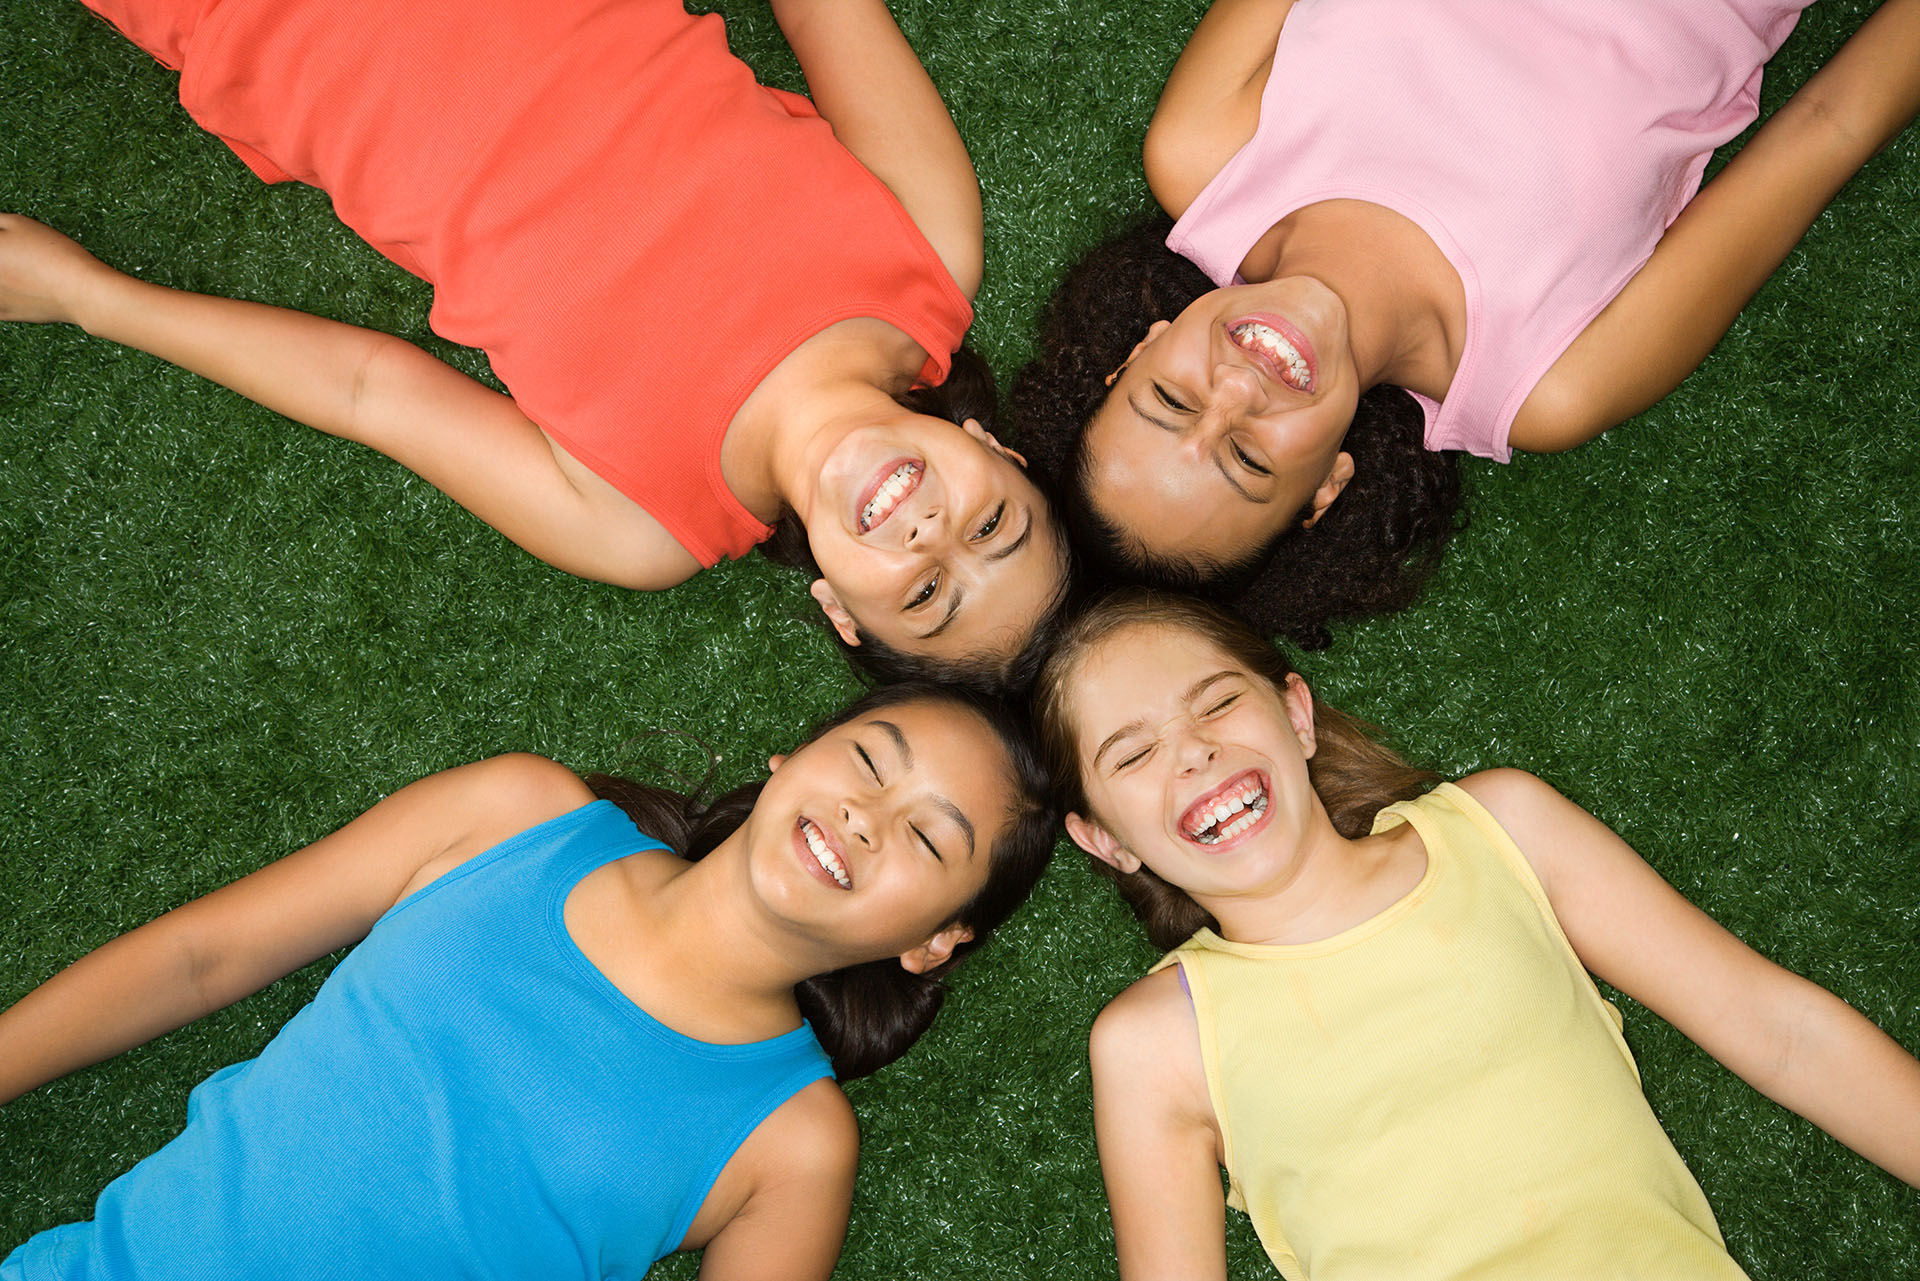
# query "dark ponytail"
(1354, 774)
(868, 1015)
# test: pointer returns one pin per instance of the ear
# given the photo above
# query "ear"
(1102, 844)
(1298, 700)
(1154, 330)
(1330, 488)
(973, 428)
(836, 613)
(936, 951)
(775, 761)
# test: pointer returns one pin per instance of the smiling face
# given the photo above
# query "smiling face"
(931, 540)
(871, 838)
(1224, 427)
(1192, 765)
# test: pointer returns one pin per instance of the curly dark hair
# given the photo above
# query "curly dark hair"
(967, 393)
(1369, 554)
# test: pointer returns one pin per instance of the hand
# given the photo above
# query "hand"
(43, 274)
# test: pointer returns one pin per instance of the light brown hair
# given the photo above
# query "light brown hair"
(1353, 772)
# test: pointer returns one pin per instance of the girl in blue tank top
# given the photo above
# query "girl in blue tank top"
(576, 1034)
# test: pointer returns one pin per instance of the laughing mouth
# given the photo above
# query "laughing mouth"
(888, 493)
(1227, 813)
(1278, 352)
(823, 853)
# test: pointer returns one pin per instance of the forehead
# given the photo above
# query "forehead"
(955, 755)
(1137, 669)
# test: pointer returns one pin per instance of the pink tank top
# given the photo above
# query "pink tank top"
(1545, 147)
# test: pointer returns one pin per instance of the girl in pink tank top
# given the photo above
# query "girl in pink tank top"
(1406, 231)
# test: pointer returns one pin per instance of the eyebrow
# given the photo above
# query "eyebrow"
(1238, 488)
(1016, 544)
(899, 741)
(1134, 726)
(1161, 423)
(953, 607)
(945, 806)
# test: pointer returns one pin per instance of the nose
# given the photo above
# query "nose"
(858, 822)
(1194, 750)
(927, 530)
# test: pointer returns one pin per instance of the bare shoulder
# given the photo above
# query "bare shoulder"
(521, 788)
(804, 1152)
(478, 806)
(1148, 1037)
(815, 1134)
(1210, 107)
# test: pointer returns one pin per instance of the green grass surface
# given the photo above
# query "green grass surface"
(221, 635)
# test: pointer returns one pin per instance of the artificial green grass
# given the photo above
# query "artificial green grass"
(225, 635)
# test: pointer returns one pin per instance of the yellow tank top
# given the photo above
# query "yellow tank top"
(1441, 1091)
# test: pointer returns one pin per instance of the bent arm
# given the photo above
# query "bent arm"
(1731, 237)
(1158, 1142)
(1211, 105)
(1789, 1038)
(217, 949)
(464, 438)
(871, 87)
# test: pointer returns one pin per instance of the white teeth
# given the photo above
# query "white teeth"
(1283, 353)
(823, 853)
(1248, 800)
(882, 503)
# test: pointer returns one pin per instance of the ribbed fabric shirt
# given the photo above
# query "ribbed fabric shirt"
(1441, 1091)
(606, 203)
(466, 1096)
(1544, 145)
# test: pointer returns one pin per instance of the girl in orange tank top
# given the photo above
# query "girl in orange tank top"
(717, 307)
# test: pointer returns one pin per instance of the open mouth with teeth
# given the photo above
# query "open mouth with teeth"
(888, 490)
(1228, 812)
(1280, 348)
(823, 853)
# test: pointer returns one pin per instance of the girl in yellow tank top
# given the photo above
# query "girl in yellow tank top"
(1377, 1016)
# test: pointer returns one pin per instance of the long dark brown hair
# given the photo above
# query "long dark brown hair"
(1353, 772)
(868, 1015)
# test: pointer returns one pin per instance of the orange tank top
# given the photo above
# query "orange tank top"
(606, 202)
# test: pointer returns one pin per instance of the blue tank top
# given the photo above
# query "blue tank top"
(465, 1096)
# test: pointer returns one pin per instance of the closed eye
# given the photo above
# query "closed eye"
(924, 840)
(1222, 705)
(1171, 401)
(1248, 463)
(868, 761)
(1133, 758)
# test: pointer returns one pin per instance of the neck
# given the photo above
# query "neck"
(1405, 304)
(843, 378)
(1331, 885)
(712, 964)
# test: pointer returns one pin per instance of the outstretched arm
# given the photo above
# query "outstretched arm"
(1159, 1147)
(459, 435)
(1792, 1040)
(1731, 238)
(870, 86)
(233, 942)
